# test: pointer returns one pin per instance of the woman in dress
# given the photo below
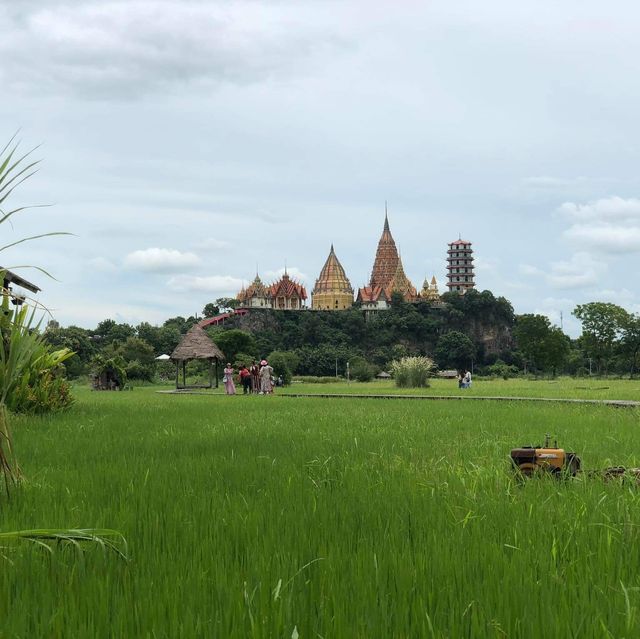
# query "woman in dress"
(266, 372)
(229, 386)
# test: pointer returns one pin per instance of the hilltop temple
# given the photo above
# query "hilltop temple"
(333, 291)
(284, 295)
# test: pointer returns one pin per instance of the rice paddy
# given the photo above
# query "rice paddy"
(271, 517)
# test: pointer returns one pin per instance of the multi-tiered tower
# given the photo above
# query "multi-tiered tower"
(333, 291)
(460, 267)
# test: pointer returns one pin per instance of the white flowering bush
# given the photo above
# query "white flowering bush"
(412, 372)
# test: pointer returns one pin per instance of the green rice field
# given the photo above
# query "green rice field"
(323, 518)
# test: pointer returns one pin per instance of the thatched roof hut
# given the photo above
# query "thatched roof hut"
(196, 344)
(383, 375)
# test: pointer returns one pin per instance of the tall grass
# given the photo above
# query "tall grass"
(412, 372)
(252, 516)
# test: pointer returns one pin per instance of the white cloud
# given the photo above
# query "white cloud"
(608, 225)
(294, 273)
(578, 272)
(611, 209)
(222, 284)
(115, 48)
(608, 238)
(159, 260)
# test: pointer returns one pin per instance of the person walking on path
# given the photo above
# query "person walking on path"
(266, 372)
(255, 378)
(245, 380)
(229, 386)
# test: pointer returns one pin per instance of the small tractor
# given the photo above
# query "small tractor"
(530, 461)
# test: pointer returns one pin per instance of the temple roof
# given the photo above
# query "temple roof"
(372, 294)
(286, 287)
(256, 289)
(332, 278)
(401, 284)
(387, 258)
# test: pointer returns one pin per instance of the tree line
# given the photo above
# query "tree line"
(476, 330)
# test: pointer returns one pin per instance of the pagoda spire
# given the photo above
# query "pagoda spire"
(387, 258)
(386, 217)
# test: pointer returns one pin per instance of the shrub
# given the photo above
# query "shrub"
(412, 372)
(500, 369)
(139, 371)
(361, 370)
(278, 361)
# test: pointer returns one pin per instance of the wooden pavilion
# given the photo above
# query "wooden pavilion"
(196, 344)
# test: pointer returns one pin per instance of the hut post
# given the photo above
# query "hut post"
(177, 374)
(184, 373)
(211, 373)
(217, 374)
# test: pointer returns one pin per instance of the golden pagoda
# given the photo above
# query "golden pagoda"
(401, 284)
(429, 292)
(333, 291)
(387, 258)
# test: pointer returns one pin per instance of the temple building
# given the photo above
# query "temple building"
(257, 295)
(460, 266)
(388, 275)
(287, 294)
(333, 291)
(429, 292)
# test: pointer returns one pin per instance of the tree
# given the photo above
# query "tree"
(226, 304)
(455, 349)
(556, 348)
(630, 341)
(602, 325)
(136, 349)
(235, 341)
(530, 332)
(211, 310)
(361, 370)
(280, 365)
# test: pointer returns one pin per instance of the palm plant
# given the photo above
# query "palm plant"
(19, 341)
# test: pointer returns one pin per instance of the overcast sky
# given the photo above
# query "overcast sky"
(186, 143)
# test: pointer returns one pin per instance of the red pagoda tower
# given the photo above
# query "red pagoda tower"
(460, 267)
(387, 258)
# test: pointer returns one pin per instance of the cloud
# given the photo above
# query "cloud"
(529, 269)
(294, 273)
(129, 48)
(207, 284)
(578, 272)
(611, 209)
(608, 225)
(608, 238)
(158, 260)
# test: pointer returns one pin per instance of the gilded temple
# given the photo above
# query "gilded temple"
(333, 291)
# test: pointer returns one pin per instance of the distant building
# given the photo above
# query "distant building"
(388, 275)
(429, 292)
(460, 267)
(333, 291)
(287, 294)
(256, 296)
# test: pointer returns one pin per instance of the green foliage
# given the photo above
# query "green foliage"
(211, 310)
(311, 379)
(500, 369)
(602, 325)
(412, 372)
(136, 370)
(280, 364)
(242, 359)
(361, 370)
(455, 349)
(234, 341)
(109, 372)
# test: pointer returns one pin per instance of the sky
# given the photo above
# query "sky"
(187, 144)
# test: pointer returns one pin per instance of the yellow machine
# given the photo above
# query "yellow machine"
(530, 460)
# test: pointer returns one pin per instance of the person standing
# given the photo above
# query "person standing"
(245, 380)
(255, 378)
(266, 372)
(229, 386)
(467, 379)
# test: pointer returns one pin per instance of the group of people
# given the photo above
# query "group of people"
(256, 379)
(464, 379)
